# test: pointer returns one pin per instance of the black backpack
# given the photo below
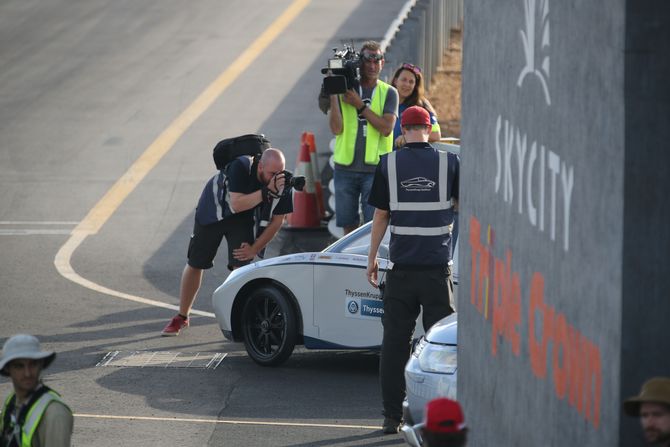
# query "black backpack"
(229, 149)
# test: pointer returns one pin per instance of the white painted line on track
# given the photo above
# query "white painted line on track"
(127, 183)
(34, 228)
(225, 421)
(37, 222)
(26, 232)
(65, 268)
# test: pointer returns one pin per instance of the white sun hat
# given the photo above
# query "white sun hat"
(24, 346)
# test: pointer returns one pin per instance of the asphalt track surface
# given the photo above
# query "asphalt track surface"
(108, 114)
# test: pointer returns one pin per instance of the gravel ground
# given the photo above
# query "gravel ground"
(445, 89)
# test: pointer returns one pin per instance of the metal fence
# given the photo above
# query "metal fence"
(420, 35)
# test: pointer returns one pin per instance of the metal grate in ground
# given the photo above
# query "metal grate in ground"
(162, 359)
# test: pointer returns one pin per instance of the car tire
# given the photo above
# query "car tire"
(269, 326)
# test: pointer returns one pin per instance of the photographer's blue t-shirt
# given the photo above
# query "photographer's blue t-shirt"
(239, 176)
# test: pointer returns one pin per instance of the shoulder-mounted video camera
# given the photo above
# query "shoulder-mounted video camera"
(344, 71)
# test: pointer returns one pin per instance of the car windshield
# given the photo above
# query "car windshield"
(358, 242)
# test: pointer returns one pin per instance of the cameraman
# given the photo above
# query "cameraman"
(362, 120)
(247, 186)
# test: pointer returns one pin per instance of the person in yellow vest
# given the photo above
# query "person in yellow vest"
(33, 415)
(362, 119)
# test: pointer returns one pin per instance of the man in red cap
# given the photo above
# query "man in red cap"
(415, 192)
(652, 406)
(444, 424)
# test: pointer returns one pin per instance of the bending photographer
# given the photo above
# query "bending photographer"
(248, 186)
(362, 120)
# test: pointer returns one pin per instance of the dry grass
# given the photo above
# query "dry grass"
(445, 88)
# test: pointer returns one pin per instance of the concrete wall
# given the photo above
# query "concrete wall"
(543, 146)
(645, 350)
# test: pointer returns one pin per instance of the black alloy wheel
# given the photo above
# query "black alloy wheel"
(269, 326)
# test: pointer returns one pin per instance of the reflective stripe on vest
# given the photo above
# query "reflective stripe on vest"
(264, 220)
(421, 231)
(442, 204)
(218, 184)
(375, 143)
(34, 416)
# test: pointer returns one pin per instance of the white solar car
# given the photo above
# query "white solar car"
(320, 300)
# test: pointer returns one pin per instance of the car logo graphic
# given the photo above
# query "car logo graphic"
(417, 182)
(529, 37)
(352, 307)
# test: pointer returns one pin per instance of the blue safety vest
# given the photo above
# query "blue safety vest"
(422, 215)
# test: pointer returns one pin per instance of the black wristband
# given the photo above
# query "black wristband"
(363, 107)
(267, 194)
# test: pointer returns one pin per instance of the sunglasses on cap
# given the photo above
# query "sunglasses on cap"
(376, 57)
(411, 67)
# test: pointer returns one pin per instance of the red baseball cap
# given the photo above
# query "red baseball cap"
(415, 115)
(444, 415)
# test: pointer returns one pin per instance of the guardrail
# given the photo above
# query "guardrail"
(448, 144)
(420, 35)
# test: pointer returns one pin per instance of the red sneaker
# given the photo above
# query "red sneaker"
(175, 326)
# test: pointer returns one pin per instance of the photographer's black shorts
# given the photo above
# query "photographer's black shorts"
(206, 239)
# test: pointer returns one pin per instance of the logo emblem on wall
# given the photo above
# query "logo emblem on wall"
(536, 32)
(352, 307)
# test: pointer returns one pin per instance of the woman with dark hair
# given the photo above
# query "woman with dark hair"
(408, 80)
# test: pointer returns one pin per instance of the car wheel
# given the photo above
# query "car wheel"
(269, 326)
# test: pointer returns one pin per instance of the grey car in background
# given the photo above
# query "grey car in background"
(430, 373)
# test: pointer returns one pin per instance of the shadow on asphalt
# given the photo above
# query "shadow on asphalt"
(163, 269)
(240, 389)
(305, 376)
(128, 330)
(349, 439)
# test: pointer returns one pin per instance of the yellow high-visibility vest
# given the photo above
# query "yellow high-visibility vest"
(33, 418)
(376, 144)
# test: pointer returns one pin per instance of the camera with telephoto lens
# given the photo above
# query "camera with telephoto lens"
(296, 182)
(344, 71)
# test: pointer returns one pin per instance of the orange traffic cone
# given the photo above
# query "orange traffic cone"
(305, 211)
(316, 172)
